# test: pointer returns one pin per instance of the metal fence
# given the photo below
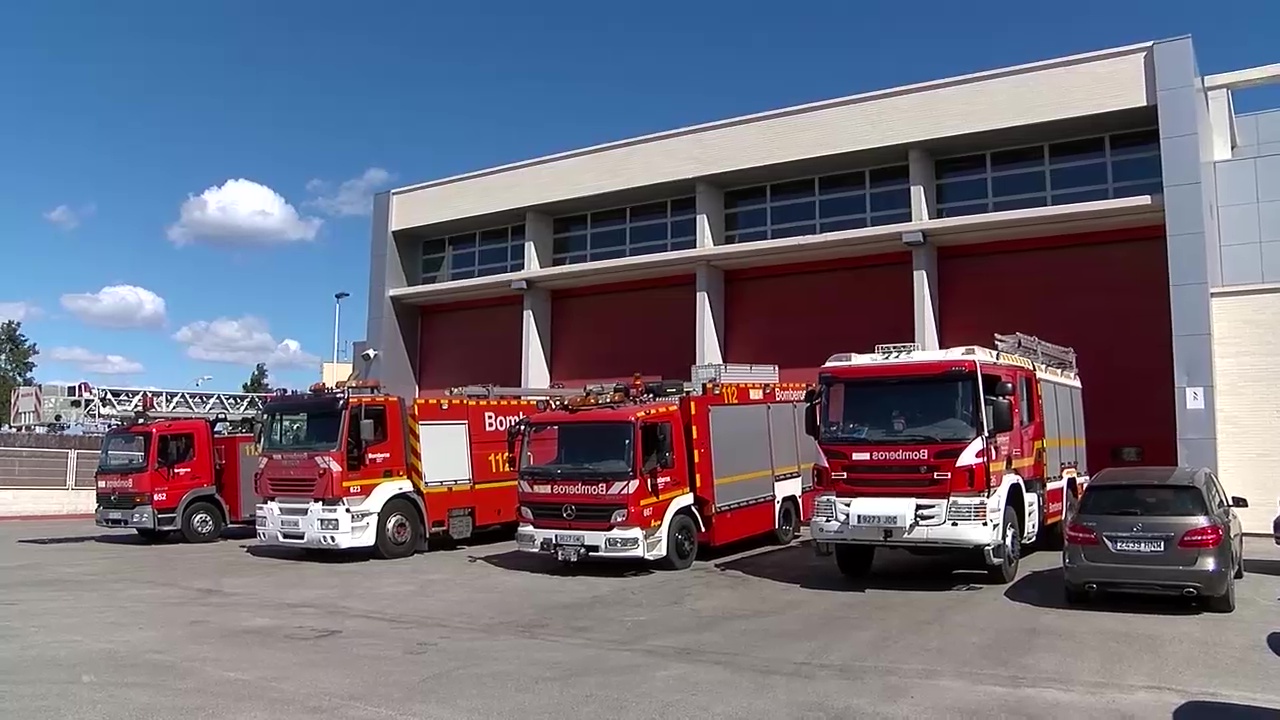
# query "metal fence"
(32, 468)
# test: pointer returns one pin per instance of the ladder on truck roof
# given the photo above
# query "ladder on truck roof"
(492, 392)
(1049, 354)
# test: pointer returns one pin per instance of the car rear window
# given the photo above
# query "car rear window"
(1143, 501)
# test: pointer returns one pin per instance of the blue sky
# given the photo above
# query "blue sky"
(120, 116)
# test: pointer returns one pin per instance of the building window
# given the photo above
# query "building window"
(1072, 171)
(830, 203)
(653, 227)
(477, 254)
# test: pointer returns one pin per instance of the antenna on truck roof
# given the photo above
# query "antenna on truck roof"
(1037, 350)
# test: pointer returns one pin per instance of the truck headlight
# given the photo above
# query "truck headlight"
(329, 524)
(526, 513)
(619, 516)
(262, 521)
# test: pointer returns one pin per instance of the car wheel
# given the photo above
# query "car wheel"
(1226, 602)
(1240, 568)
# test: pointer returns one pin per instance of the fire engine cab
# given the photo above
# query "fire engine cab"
(655, 470)
(967, 448)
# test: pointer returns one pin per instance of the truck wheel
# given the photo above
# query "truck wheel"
(150, 536)
(1010, 537)
(854, 561)
(398, 530)
(788, 528)
(201, 523)
(682, 543)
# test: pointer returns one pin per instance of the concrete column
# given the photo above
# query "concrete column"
(1222, 116)
(923, 197)
(392, 329)
(710, 209)
(535, 366)
(709, 347)
(924, 282)
(537, 241)
(1194, 255)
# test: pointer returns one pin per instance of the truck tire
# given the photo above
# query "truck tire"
(1011, 538)
(788, 525)
(682, 543)
(201, 522)
(398, 531)
(854, 561)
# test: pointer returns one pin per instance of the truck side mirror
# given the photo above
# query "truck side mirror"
(1001, 419)
(368, 433)
(811, 420)
(1004, 388)
(810, 396)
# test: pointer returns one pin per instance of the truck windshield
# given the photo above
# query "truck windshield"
(124, 452)
(900, 410)
(307, 431)
(577, 449)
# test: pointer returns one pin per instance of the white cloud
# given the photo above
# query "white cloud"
(20, 311)
(246, 341)
(92, 362)
(353, 197)
(67, 218)
(241, 212)
(117, 306)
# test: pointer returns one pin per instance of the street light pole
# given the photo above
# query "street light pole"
(337, 320)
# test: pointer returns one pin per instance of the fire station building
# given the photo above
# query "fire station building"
(1112, 201)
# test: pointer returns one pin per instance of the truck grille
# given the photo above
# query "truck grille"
(583, 513)
(286, 487)
(893, 479)
(126, 501)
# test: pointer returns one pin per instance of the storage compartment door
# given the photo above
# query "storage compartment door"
(446, 452)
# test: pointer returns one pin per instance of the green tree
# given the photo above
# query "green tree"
(17, 363)
(257, 381)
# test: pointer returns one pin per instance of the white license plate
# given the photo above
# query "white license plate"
(879, 520)
(115, 516)
(570, 539)
(1140, 546)
(290, 523)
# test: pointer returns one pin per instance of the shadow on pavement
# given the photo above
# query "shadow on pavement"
(1273, 642)
(112, 539)
(321, 557)
(1262, 567)
(893, 570)
(1043, 589)
(518, 561)
(1213, 710)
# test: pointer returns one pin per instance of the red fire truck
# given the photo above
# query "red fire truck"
(653, 471)
(353, 467)
(966, 448)
(159, 475)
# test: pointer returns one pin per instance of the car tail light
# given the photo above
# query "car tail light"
(1081, 535)
(1202, 537)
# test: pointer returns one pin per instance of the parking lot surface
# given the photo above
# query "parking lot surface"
(96, 625)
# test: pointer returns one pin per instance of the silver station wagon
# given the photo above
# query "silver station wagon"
(1155, 530)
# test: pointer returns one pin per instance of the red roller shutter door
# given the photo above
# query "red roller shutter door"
(798, 319)
(470, 344)
(610, 333)
(1107, 296)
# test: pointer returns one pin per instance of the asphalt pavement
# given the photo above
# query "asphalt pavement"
(94, 624)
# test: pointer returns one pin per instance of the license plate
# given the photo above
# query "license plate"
(115, 516)
(570, 539)
(290, 523)
(879, 520)
(1140, 546)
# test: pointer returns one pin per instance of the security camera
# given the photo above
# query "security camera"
(368, 355)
